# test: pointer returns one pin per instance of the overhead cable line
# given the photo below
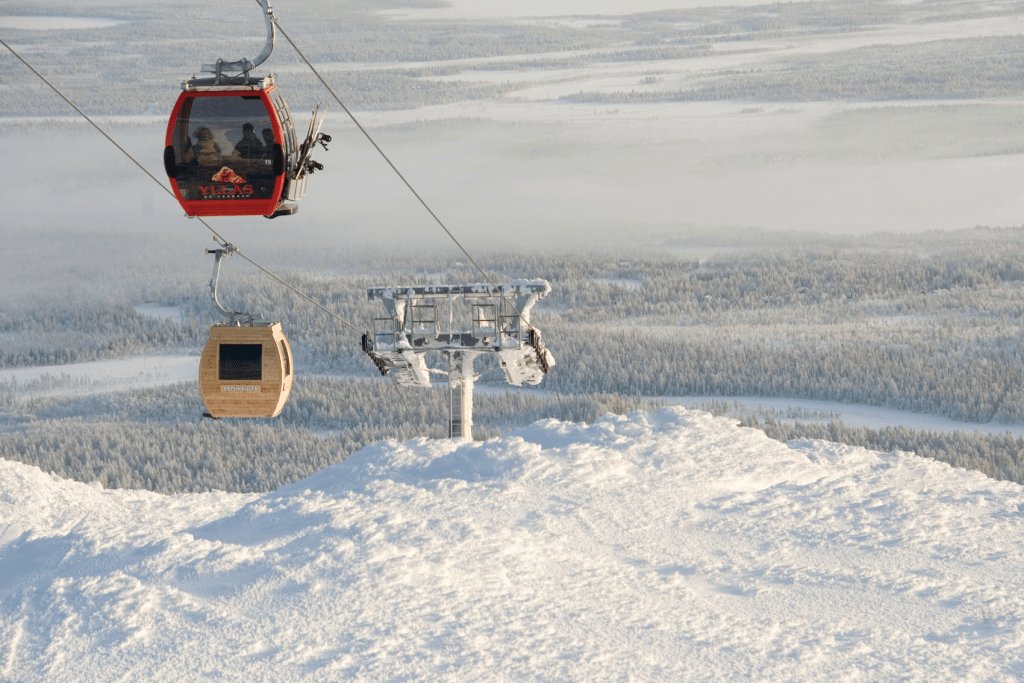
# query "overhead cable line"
(382, 153)
(387, 159)
(224, 243)
(403, 179)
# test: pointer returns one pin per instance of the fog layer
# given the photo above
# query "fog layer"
(613, 128)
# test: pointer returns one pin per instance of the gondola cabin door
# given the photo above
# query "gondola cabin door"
(231, 150)
(245, 371)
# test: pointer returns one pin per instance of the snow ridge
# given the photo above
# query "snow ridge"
(662, 546)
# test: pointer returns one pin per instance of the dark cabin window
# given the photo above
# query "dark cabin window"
(241, 362)
(224, 148)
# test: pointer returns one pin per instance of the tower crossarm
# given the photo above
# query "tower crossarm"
(524, 292)
(464, 341)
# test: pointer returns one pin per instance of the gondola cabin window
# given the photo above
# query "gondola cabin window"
(242, 362)
(224, 149)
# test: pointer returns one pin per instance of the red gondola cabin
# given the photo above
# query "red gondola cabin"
(231, 150)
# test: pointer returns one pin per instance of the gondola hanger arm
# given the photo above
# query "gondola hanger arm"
(244, 65)
(235, 317)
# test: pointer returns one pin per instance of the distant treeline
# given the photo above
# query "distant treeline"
(1000, 456)
(155, 438)
(135, 67)
(976, 68)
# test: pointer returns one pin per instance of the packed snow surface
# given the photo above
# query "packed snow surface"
(666, 546)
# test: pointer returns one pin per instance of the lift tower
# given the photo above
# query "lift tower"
(436, 317)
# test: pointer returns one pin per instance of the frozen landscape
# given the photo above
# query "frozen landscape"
(800, 217)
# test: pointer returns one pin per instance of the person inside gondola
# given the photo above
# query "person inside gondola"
(249, 147)
(207, 150)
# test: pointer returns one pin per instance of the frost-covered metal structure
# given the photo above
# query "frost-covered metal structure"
(460, 322)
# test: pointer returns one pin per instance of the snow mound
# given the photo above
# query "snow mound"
(667, 546)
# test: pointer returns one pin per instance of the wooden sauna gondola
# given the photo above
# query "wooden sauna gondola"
(245, 370)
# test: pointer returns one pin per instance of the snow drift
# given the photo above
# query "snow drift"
(666, 546)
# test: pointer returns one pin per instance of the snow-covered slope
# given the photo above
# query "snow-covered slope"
(669, 546)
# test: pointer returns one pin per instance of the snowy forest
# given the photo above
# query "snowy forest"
(617, 158)
(924, 323)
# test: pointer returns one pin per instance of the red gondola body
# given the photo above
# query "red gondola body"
(231, 151)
